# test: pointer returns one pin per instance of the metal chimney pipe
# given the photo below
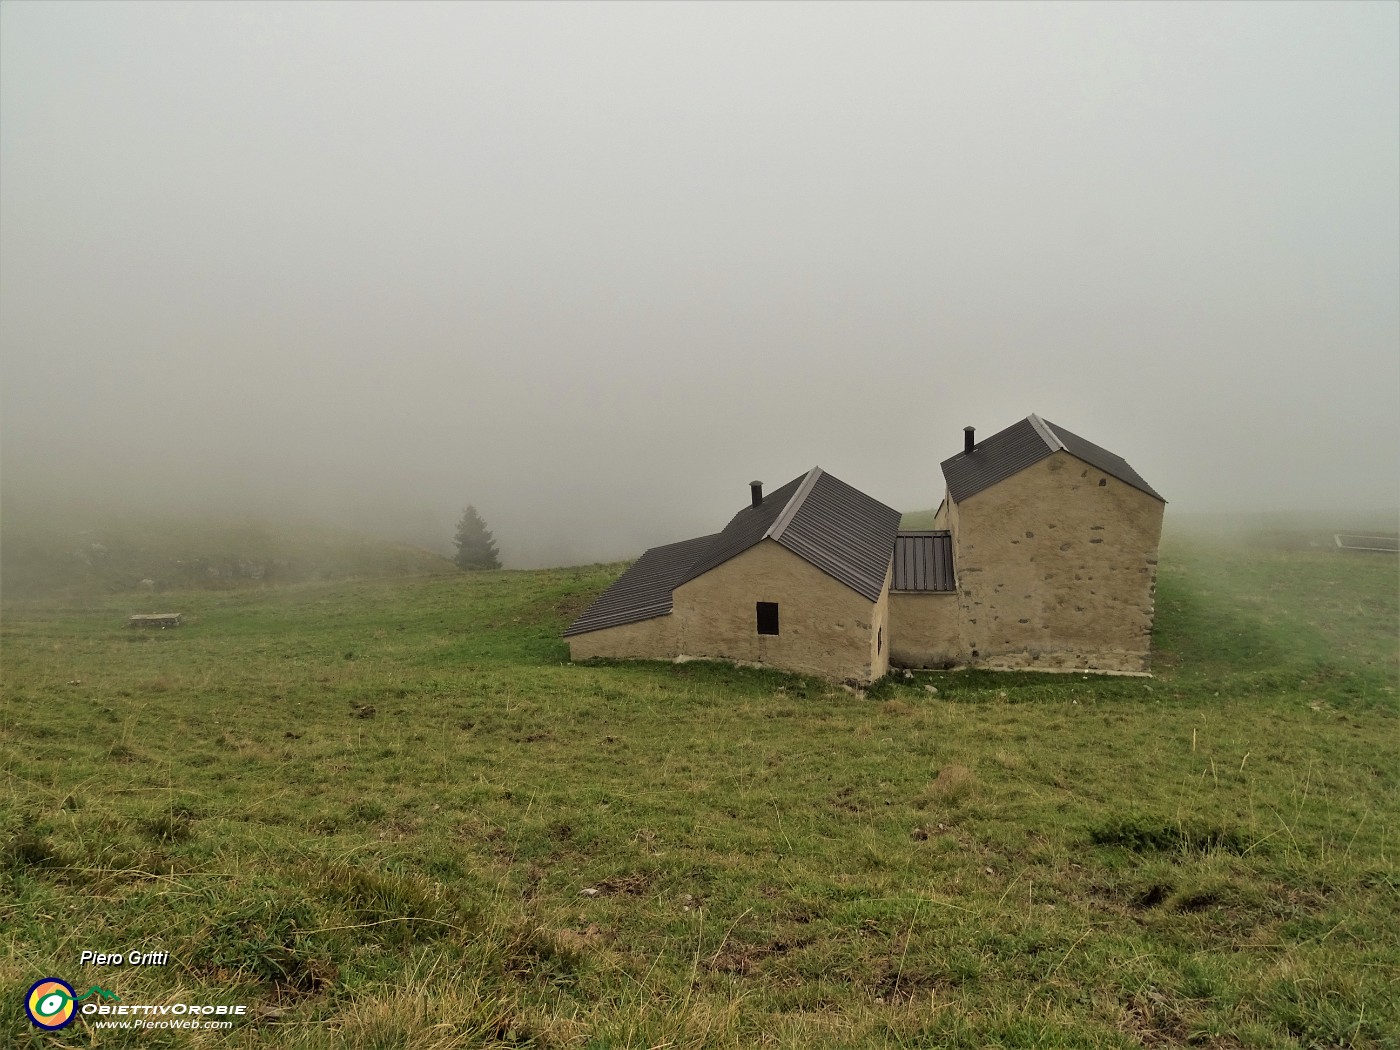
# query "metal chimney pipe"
(756, 490)
(968, 441)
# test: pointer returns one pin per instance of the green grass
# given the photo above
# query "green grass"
(369, 810)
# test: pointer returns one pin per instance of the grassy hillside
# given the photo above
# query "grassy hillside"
(390, 814)
(79, 554)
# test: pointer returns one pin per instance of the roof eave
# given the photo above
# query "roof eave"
(1144, 488)
(574, 630)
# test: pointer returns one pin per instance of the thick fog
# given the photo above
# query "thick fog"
(593, 267)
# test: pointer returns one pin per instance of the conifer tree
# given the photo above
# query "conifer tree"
(475, 547)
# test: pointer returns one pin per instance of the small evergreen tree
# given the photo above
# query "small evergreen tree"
(475, 547)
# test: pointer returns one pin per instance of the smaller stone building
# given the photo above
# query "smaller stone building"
(1043, 556)
(798, 579)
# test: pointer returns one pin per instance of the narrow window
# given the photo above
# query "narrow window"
(767, 617)
(879, 641)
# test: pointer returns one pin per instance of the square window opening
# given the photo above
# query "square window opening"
(767, 617)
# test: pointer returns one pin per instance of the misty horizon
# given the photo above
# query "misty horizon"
(591, 268)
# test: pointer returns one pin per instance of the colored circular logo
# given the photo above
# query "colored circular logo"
(50, 1003)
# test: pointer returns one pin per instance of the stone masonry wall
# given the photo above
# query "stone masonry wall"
(925, 630)
(1057, 569)
(825, 628)
(653, 639)
(880, 629)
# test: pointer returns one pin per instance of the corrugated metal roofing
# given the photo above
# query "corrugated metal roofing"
(1105, 460)
(1022, 444)
(644, 590)
(745, 529)
(843, 532)
(923, 561)
(839, 529)
(994, 459)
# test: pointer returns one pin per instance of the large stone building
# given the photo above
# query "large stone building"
(1043, 555)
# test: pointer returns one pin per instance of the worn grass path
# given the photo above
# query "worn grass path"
(370, 812)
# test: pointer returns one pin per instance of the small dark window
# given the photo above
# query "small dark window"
(767, 617)
(1103, 482)
(880, 641)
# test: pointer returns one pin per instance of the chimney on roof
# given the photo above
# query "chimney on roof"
(756, 490)
(968, 440)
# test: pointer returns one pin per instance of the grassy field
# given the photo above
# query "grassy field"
(77, 552)
(390, 814)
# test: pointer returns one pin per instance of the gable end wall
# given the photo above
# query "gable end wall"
(1057, 570)
(825, 628)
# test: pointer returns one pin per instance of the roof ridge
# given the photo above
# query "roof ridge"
(1047, 435)
(784, 519)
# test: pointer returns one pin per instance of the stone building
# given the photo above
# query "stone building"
(1043, 555)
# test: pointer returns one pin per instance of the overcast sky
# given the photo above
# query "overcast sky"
(593, 267)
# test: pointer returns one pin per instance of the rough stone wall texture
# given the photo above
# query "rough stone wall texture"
(1057, 569)
(825, 628)
(880, 629)
(953, 521)
(653, 639)
(925, 630)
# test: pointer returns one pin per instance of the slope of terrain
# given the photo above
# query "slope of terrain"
(389, 813)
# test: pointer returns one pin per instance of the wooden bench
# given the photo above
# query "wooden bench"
(161, 620)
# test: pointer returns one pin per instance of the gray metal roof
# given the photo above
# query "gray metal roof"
(1102, 458)
(842, 531)
(745, 529)
(644, 590)
(1022, 444)
(838, 529)
(923, 561)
